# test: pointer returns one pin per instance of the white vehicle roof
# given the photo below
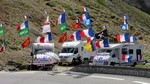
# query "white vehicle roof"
(71, 44)
(43, 45)
(117, 45)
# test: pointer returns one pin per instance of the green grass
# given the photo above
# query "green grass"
(143, 66)
(147, 56)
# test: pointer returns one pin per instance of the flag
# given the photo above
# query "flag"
(139, 58)
(122, 38)
(76, 36)
(26, 43)
(132, 38)
(103, 43)
(46, 28)
(104, 27)
(61, 19)
(124, 27)
(47, 20)
(85, 17)
(125, 17)
(85, 9)
(23, 26)
(63, 38)
(126, 58)
(63, 27)
(87, 22)
(88, 47)
(77, 21)
(87, 33)
(23, 32)
(25, 17)
(101, 34)
(93, 45)
(76, 26)
(44, 39)
(1, 29)
(3, 47)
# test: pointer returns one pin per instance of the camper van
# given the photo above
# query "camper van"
(43, 54)
(119, 54)
(73, 52)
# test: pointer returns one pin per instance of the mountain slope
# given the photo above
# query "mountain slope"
(102, 12)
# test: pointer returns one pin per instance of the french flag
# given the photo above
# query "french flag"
(103, 43)
(61, 19)
(23, 26)
(139, 57)
(132, 38)
(87, 33)
(45, 39)
(124, 27)
(85, 9)
(125, 17)
(75, 36)
(126, 58)
(122, 38)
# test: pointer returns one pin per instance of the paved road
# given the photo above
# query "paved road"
(67, 77)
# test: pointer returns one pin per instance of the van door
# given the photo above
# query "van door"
(76, 53)
(138, 55)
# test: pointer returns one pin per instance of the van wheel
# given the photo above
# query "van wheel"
(112, 63)
(134, 64)
(73, 61)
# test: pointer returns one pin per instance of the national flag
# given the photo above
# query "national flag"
(22, 26)
(101, 34)
(139, 57)
(90, 39)
(46, 28)
(104, 27)
(23, 32)
(103, 43)
(85, 16)
(87, 22)
(63, 38)
(25, 17)
(2, 29)
(26, 43)
(125, 17)
(44, 39)
(61, 19)
(3, 47)
(88, 47)
(63, 27)
(124, 27)
(85, 9)
(87, 33)
(76, 26)
(132, 38)
(47, 20)
(122, 38)
(93, 45)
(126, 58)
(77, 21)
(75, 36)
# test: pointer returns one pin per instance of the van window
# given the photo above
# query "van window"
(81, 48)
(138, 51)
(124, 51)
(131, 51)
(76, 51)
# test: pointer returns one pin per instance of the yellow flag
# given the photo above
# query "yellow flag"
(88, 47)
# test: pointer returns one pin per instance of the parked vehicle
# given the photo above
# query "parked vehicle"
(73, 52)
(43, 54)
(119, 54)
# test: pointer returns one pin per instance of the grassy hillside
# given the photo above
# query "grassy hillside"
(102, 12)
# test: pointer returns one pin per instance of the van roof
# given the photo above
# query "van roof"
(71, 44)
(43, 45)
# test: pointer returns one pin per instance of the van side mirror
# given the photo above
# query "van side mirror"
(31, 53)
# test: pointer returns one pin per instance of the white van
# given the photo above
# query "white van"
(43, 54)
(72, 52)
(119, 54)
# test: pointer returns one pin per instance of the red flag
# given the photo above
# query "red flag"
(26, 43)
(76, 26)
(2, 48)
(63, 38)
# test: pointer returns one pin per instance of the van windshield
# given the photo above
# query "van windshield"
(104, 50)
(42, 51)
(67, 50)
